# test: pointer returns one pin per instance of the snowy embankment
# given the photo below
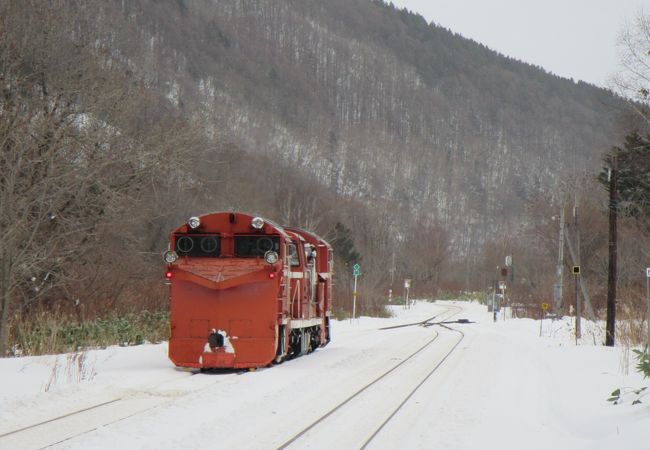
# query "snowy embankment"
(504, 387)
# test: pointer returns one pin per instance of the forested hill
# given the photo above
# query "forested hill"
(350, 118)
(378, 104)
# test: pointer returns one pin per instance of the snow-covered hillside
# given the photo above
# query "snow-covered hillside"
(502, 387)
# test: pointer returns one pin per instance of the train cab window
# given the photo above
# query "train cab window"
(246, 246)
(294, 259)
(197, 245)
(310, 254)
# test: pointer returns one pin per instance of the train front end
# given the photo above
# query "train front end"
(225, 273)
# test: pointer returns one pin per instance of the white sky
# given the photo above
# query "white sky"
(571, 38)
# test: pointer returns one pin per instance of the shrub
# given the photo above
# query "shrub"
(48, 334)
(643, 367)
(643, 363)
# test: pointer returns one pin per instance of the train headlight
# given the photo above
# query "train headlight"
(194, 222)
(170, 257)
(257, 223)
(271, 257)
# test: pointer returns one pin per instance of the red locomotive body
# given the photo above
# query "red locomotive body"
(246, 292)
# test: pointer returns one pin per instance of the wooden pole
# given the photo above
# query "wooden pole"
(611, 276)
(647, 294)
(577, 280)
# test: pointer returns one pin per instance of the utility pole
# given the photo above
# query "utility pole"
(560, 266)
(586, 300)
(611, 276)
(577, 283)
(494, 294)
(647, 294)
(392, 276)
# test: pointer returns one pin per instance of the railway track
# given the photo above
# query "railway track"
(333, 420)
(107, 410)
(72, 424)
(414, 390)
(429, 321)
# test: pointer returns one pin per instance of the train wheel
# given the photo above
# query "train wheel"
(296, 343)
(315, 338)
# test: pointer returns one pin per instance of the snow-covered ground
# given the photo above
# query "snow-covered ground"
(504, 387)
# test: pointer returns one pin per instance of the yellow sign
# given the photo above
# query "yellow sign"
(544, 306)
(575, 270)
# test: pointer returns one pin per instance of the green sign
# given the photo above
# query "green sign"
(356, 270)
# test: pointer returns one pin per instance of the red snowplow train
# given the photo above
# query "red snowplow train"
(245, 292)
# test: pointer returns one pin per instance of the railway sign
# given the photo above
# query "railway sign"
(356, 271)
(407, 286)
(544, 308)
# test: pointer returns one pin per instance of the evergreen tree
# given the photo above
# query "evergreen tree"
(344, 245)
(633, 184)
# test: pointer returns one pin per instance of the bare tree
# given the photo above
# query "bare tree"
(76, 153)
(633, 80)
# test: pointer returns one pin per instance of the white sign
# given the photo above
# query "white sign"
(407, 283)
(502, 285)
(647, 272)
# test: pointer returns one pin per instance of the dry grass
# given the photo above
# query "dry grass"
(50, 334)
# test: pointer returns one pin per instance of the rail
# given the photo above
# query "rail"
(323, 418)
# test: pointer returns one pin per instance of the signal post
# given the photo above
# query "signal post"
(544, 309)
(356, 271)
(575, 270)
(407, 286)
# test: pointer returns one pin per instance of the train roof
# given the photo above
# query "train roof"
(240, 222)
(237, 222)
(310, 234)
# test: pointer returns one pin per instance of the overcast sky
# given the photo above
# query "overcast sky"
(571, 38)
